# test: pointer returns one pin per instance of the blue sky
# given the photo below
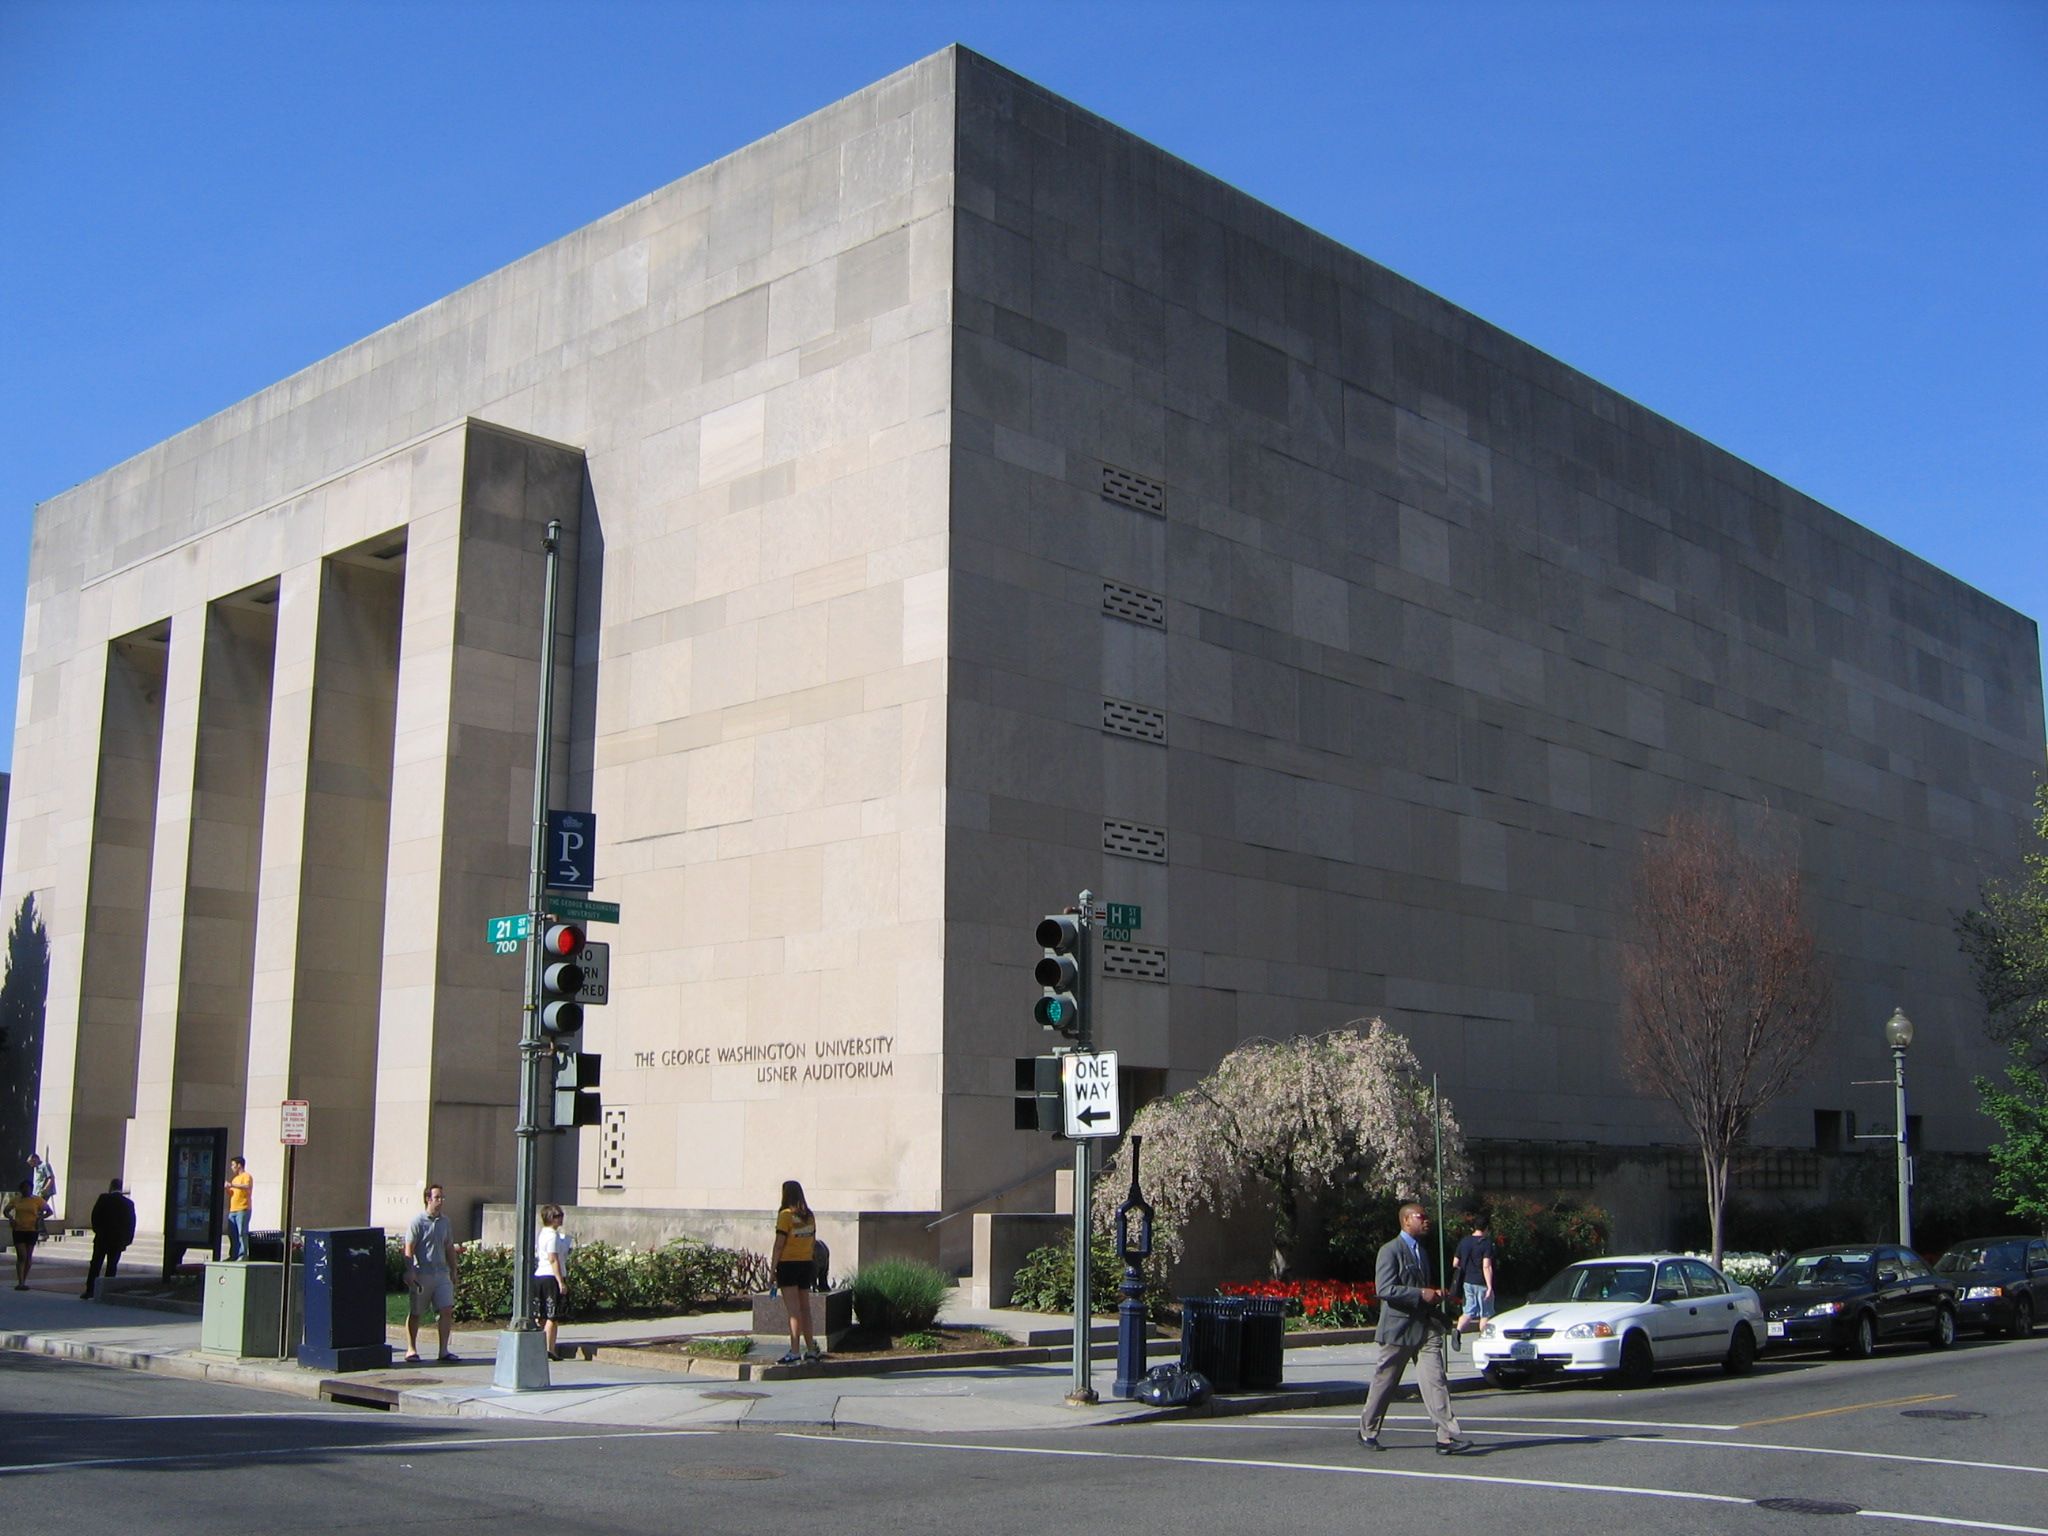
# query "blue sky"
(1811, 232)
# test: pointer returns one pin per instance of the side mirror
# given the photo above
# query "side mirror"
(1887, 1277)
(1666, 1293)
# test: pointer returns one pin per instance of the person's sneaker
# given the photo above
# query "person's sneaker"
(792, 1358)
(813, 1356)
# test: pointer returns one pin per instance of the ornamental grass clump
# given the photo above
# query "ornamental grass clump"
(898, 1295)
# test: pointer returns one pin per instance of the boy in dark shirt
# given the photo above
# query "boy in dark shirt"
(1475, 1269)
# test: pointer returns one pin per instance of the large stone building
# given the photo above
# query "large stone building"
(968, 503)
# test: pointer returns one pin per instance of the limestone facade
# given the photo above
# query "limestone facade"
(968, 503)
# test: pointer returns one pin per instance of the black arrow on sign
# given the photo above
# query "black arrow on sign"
(1091, 1114)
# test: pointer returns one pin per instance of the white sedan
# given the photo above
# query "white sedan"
(1628, 1316)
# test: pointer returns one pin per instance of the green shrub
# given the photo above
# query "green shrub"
(898, 1295)
(1044, 1282)
(1536, 1240)
(931, 1343)
(682, 1276)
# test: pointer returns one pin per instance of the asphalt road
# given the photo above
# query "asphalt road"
(87, 1449)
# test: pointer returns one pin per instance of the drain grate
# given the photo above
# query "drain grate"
(1810, 1506)
(733, 1395)
(718, 1474)
(1952, 1415)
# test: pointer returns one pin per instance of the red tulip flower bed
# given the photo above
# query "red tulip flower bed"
(1318, 1303)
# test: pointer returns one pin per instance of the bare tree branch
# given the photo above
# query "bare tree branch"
(1725, 994)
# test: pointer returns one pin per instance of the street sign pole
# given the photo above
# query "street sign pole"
(1082, 1392)
(293, 1116)
(522, 1364)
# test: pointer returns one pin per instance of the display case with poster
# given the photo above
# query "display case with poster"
(194, 1195)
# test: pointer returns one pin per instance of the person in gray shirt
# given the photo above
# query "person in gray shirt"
(430, 1269)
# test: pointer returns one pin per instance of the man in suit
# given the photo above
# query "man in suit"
(1411, 1327)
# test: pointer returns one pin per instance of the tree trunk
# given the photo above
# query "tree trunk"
(1717, 1200)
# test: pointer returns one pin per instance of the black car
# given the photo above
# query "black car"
(2001, 1282)
(1854, 1296)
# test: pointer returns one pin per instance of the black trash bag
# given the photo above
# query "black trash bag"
(1173, 1386)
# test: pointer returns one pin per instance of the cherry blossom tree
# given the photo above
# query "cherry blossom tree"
(1724, 992)
(1290, 1120)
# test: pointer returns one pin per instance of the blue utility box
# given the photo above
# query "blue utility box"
(343, 1276)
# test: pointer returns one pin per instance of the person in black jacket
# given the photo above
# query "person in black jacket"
(113, 1229)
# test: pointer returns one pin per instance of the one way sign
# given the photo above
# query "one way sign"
(1088, 1084)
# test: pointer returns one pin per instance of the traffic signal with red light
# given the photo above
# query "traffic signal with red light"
(561, 978)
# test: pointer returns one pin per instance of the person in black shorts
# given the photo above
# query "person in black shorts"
(551, 1277)
(796, 1267)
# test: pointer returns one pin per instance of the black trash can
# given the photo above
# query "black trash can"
(266, 1247)
(343, 1276)
(1262, 1353)
(1211, 1338)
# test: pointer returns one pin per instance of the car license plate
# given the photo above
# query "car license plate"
(1522, 1349)
(1775, 1330)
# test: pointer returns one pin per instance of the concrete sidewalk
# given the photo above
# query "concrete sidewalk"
(51, 1319)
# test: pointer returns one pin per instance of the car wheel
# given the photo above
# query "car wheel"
(1636, 1362)
(1944, 1329)
(1505, 1376)
(1741, 1357)
(1863, 1338)
(2022, 1318)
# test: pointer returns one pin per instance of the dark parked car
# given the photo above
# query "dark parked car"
(1854, 1296)
(2001, 1282)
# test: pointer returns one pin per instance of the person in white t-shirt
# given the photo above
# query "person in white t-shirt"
(551, 1275)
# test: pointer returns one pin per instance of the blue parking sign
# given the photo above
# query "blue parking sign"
(572, 850)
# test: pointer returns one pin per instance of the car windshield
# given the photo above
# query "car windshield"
(1824, 1269)
(1597, 1282)
(1981, 1256)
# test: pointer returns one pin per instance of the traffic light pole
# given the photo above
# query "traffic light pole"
(1083, 1392)
(522, 1363)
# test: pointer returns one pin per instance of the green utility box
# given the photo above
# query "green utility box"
(239, 1312)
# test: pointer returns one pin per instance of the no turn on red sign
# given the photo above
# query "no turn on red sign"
(1088, 1086)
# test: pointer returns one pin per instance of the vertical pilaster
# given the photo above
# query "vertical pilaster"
(196, 994)
(447, 1067)
(320, 951)
(115, 937)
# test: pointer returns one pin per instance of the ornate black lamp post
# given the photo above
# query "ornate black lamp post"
(1136, 1247)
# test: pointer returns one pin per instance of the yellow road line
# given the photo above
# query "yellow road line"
(1824, 1413)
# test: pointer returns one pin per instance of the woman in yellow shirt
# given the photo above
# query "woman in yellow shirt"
(25, 1211)
(795, 1260)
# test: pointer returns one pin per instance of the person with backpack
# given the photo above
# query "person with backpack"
(44, 1178)
(795, 1261)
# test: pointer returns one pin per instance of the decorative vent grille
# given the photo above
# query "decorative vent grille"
(611, 1157)
(1140, 607)
(1120, 485)
(1133, 841)
(1134, 962)
(1122, 718)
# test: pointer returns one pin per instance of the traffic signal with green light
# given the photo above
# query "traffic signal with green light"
(1059, 973)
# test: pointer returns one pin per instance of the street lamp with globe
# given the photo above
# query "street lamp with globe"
(1898, 1034)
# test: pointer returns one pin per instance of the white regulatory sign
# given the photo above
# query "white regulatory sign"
(1088, 1085)
(294, 1116)
(596, 961)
